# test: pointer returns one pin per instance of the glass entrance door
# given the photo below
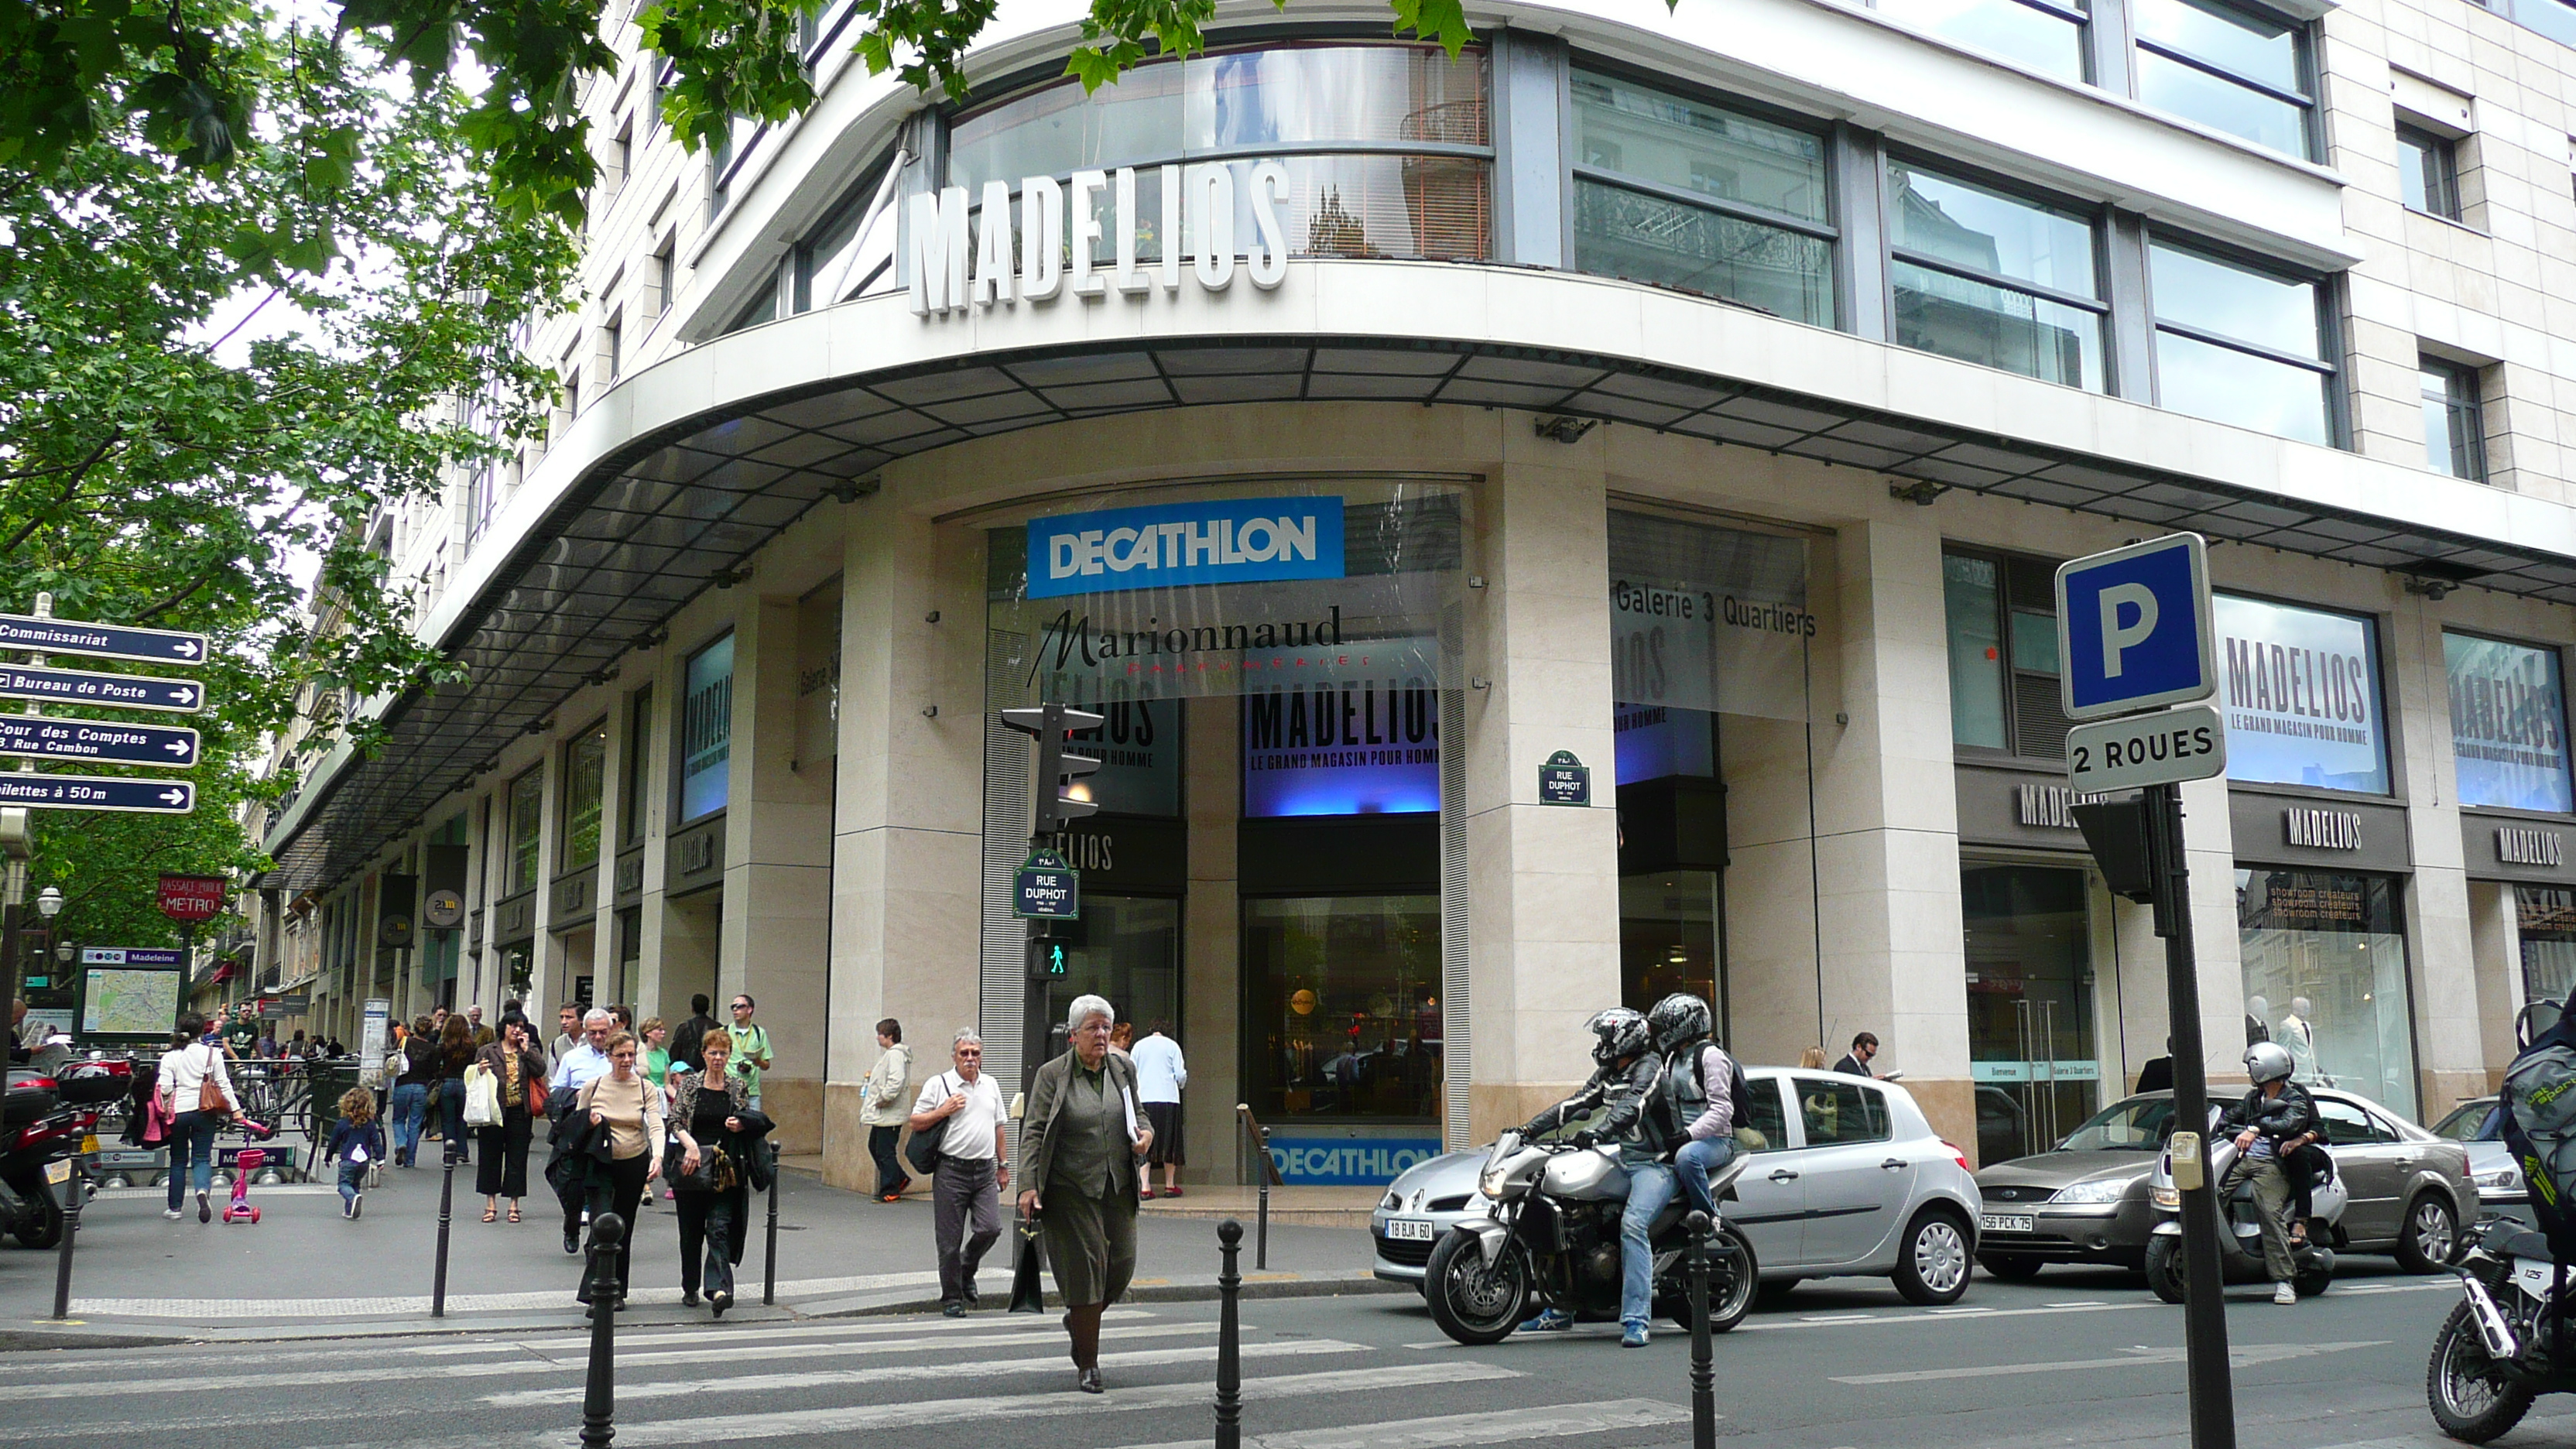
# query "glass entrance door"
(1125, 948)
(2030, 1006)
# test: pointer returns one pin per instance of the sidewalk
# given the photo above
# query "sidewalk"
(305, 1271)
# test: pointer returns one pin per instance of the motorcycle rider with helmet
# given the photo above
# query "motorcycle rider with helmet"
(2272, 1121)
(1627, 1088)
(1699, 1078)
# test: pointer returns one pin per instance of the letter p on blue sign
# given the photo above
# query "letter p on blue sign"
(2134, 630)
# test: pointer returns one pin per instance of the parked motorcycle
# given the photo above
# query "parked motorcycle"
(2494, 1354)
(43, 1120)
(2240, 1239)
(1551, 1240)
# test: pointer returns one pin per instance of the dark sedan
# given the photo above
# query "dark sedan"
(2083, 1201)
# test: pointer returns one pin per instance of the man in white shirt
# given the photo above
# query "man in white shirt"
(1161, 1072)
(964, 1107)
(575, 1069)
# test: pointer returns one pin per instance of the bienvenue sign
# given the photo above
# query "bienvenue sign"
(1165, 545)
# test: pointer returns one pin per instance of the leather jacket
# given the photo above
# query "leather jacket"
(1634, 1110)
(2280, 1118)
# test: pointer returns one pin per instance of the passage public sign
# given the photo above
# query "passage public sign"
(97, 741)
(122, 691)
(192, 898)
(2134, 628)
(102, 641)
(93, 792)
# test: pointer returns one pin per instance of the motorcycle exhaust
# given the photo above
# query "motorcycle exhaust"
(2491, 1325)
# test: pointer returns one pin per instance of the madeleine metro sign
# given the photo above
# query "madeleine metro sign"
(1226, 541)
(1200, 205)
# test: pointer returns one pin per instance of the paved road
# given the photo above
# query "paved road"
(2075, 1358)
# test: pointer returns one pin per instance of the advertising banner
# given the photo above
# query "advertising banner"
(1701, 619)
(1355, 733)
(2508, 724)
(1213, 541)
(2300, 690)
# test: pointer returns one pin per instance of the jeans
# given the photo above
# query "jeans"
(353, 1179)
(451, 1109)
(1650, 1186)
(410, 1104)
(192, 1154)
(1694, 1163)
(890, 1174)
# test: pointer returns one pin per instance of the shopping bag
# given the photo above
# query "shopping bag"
(1027, 1294)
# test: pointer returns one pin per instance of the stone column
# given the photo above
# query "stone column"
(1212, 943)
(2495, 945)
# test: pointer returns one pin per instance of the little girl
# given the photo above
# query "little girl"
(358, 1143)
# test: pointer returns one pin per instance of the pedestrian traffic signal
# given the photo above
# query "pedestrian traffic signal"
(1061, 798)
(2116, 831)
(1046, 958)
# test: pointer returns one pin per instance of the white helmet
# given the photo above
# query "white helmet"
(2267, 1061)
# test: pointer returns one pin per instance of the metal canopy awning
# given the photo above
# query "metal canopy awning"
(659, 521)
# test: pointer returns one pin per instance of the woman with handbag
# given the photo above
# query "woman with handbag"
(626, 1114)
(197, 1092)
(519, 1075)
(455, 1054)
(708, 1179)
(1078, 1150)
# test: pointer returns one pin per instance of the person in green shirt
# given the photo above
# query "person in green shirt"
(241, 1036)
(750, 1048)
(657, 1053)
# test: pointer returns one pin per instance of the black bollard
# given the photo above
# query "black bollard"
(1229, 1340)
(769, 1261)
(599, 1396)
(1261, 1242)
(75, 1189)
(1703, 1375)
(446, 1205)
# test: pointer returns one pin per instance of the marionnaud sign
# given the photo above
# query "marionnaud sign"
(91, 792)
(1165, 545)
(96, 741)
(1039, 260)
(2134, 628)
(106, 641)
(124, 691)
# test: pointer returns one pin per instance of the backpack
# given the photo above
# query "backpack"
(2539, 1100)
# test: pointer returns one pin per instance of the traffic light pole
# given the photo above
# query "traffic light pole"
(1050, 723)
(2213, 1394)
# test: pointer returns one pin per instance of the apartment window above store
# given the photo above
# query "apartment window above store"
(1388, 147)
(2001, 613)
(2046, 36)
(706, 731)
(1988, 277)
(639, 761)
(585, 781)
(526, 818)
(2233, 68)
(1684, 193)
(2238, 344)
(2455, 430)
(2428, 172)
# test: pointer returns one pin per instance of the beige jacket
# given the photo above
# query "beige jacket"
(889, 1088)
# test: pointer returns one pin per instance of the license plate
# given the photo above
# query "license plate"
(1408, 1230)
(58, 1172)
(2004, 1223)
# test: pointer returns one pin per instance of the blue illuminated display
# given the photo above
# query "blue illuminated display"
(1342, 747)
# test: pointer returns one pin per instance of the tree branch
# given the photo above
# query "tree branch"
(157, 609)
(80, 474)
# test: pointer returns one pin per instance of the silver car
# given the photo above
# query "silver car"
(2476, 1125)
(1847, 1178)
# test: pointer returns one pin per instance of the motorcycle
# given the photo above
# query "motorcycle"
(1551, 1239)
(2496, 1352)
(2240, 1239)
(46, 1119)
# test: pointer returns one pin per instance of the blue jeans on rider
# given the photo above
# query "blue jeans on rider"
(1694, 1163)
(1650, 1186)
(410, 1104)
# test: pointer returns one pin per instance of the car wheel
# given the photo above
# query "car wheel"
(2425, 1244)
(1932, 1264)
(2164, 1268)
(2011, 1267)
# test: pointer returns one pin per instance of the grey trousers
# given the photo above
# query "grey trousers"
(2272, 1195)
(963, 1187)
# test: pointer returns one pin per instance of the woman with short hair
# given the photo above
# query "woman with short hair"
(714, 1192)
(1078, 1151)
(625, 1106)
(515, 1066)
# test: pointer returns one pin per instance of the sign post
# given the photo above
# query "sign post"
(2135, 635)
(1045, 889)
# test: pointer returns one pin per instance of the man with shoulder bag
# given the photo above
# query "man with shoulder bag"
(957, 1144)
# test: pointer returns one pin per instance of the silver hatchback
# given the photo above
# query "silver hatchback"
(1847, 1179)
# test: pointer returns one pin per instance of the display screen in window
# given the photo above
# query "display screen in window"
(1357, 735)
(2301, 691)
(2508, 724)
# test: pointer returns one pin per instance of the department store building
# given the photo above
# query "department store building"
(1545, 527)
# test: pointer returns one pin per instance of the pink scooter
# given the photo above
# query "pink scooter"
(246, 1164)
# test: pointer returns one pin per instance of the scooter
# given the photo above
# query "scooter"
(44, 1120)
(2240, 1239)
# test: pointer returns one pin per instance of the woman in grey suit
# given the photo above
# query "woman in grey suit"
(1078, 1151)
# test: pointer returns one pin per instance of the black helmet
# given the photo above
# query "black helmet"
(1618, 1033)
(1678, 1019)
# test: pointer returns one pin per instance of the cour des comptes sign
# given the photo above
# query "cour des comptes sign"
(966, 254)
(1166, 545)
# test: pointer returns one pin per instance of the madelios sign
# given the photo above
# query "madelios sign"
(1219, 541)
(1041, 259)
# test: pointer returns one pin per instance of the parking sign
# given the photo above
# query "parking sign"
(2134, 629)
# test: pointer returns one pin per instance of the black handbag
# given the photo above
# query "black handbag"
(922, 1152)
(1027, 1294)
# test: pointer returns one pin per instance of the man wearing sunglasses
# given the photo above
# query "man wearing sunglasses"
(750, 1048)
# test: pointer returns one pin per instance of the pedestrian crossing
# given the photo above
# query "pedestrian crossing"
(902, 1382)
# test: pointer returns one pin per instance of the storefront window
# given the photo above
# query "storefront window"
(2547, 917)
(706, 731)
(1342, 1007)
(2001, 615)
(1126, 949)
(1671, 924)
(2325, 976)
(2508, 724)
(2302, 696)
(585, 788)
(527, 814)
(2030, 1006)
(639, 764)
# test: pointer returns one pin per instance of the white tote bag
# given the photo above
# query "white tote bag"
(482, 1097)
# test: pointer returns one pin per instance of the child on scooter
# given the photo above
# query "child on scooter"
(358, 1143)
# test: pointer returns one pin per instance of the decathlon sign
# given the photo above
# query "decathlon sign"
(1230, 541)
(967, 256)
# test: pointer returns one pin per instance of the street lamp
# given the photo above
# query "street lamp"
(49, 903)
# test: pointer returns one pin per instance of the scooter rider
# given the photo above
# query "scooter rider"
(1699, 1078)
(2268, 1124)
(1627, 1088)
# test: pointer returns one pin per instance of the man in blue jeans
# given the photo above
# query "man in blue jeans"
(1627, 1087)
(1699, 1079)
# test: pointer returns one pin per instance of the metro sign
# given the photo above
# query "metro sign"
(192, 898)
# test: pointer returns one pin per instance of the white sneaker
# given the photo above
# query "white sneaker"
(171, 1213)
(2285, 1295)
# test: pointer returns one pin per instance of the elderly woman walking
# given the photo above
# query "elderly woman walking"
(717, 1131)
(1078, 1151)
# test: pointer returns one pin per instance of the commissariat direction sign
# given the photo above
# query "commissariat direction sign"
(96, 741)
(119, 691)
(91, 792)
(103, 641)
(2163, 748)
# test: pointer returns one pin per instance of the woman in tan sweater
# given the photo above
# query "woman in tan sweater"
(629, 1109)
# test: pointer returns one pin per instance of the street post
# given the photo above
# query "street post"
(2138, 650)
(1046, 889)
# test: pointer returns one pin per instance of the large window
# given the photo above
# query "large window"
(2454, 425)
(2230, 67)
(706, 731)
(631, 793)
(2001, 615)
(2546, 916)
(585, 788)
(2301, 692)
(2237, 345)
(527, 817)
(2508, 724)
(2046, 36)
(2325, 976)
(1995, 279)
(1685, 194)
(1388, 148)
(1342, 1003)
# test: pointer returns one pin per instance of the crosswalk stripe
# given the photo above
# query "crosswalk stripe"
(1447, 1431)
(898, 1373)
(304, 1310)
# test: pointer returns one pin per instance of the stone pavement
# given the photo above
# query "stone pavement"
(305, 1271)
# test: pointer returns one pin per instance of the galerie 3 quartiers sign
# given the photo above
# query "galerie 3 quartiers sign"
(1049, 263)
(1227, 541)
